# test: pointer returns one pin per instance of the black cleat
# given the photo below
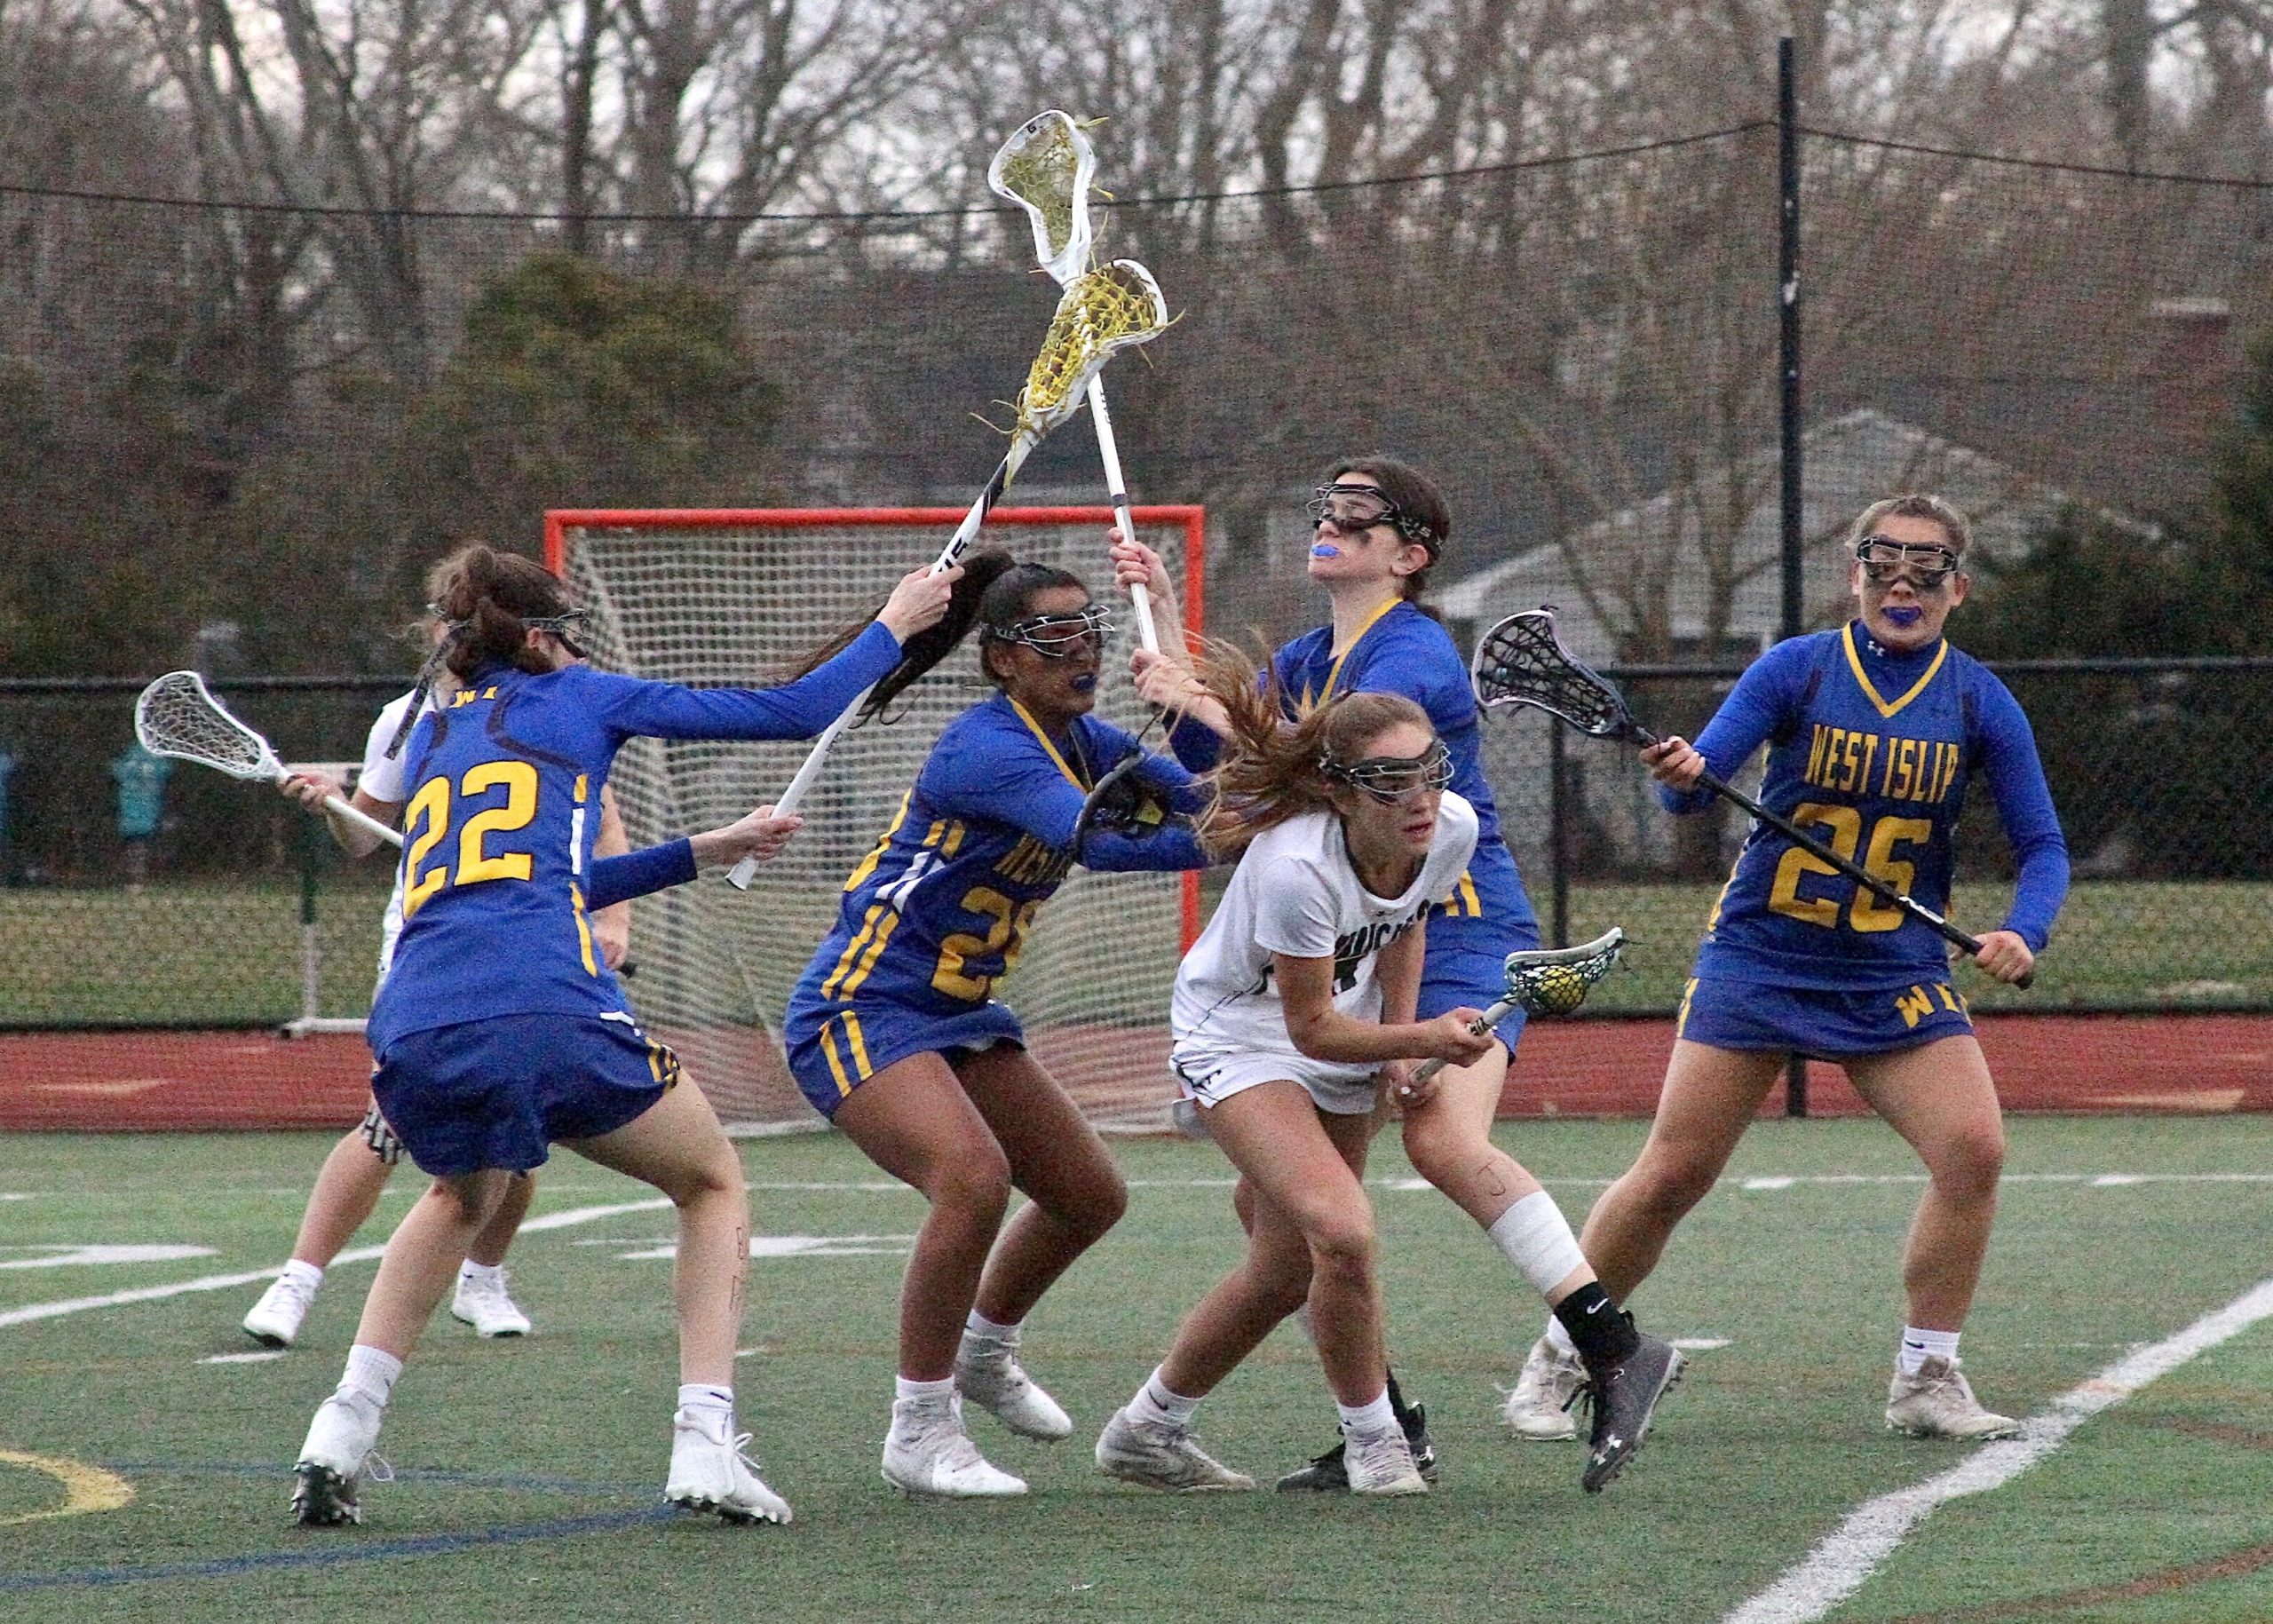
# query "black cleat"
(322, 1498)
(1329, 1473)
(1624, 1395)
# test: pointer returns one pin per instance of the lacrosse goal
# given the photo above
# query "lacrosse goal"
(713, 597)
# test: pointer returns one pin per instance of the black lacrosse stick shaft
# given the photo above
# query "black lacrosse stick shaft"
(1614, 721)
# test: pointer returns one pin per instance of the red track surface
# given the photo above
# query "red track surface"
(141, 1082)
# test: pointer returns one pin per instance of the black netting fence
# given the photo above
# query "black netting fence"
(2149, 761)
(236, 435)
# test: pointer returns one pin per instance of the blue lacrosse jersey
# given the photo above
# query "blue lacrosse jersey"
(1404, 651)
(504, 781)
(1872, 752)
(939, 909)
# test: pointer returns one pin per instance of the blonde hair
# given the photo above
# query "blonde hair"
(1273, 770)
(1914, 504)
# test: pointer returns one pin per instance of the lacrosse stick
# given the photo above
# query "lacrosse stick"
(1546, 981)
(1047, 169)
(1522, 661)
(176, 717)
(1106, 310)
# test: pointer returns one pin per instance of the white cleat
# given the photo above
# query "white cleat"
(1540, 1406)
(339, 1445)
(484, 1302)
(711, 1472)
(994, 1380)
(275, 1319)
(1939, 1402)
(1160, 1458)
(1383, 1465)
(929, 1456)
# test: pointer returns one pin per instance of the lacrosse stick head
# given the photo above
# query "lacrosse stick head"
(1108, 310)
(1045, 168)
(176, 717)
(1554, 980)
(1522, 661)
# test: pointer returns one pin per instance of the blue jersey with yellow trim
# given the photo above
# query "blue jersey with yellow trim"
(938, 911)
(1870, 751)
(504, 783)
(1403, 650)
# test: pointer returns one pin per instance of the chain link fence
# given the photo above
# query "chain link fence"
(238, 434)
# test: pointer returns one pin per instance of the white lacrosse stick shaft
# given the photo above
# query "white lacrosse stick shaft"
(1065, 261)
(1481, 1025)
(355, 815)
(743, 872)
(1139, 595)
(221, 741)
(1073, 326)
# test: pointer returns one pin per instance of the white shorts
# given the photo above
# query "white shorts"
(1212, 1079)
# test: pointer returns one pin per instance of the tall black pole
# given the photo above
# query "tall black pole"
(1787, 309)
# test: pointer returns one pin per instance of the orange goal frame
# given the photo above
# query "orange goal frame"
(1192, 516)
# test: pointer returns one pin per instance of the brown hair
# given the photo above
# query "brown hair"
(1914, 504)
(488, 598)
(1273, 770)
(1426, 519)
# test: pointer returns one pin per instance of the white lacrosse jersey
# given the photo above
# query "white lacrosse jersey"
(382, 779)
(1297, 892)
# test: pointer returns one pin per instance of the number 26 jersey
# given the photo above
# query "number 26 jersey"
(1870, 752)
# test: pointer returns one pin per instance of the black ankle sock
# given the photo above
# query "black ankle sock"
(1597, 1328)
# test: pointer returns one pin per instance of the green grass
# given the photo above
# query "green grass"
(1766, 1446)
(230, 953)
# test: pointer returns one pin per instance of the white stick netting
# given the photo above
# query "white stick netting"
(176, 717)
(692, 603)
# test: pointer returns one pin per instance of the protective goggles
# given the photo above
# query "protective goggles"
(1054, 637)
(569, 626)
(1886, 560)
(1355, 509)
(1391, 778)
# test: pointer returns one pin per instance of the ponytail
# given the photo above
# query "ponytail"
(926, 648)
(1273, 770)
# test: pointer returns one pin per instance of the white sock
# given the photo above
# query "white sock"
(1559, 1339)
(1535, 1237)
(1373, 1420)
(370, 1373)
(1918, 1345)
(310, 1274)
(989, 1336)
(472, 1271)
(912, 1398)
(1157, 1404)
(708, 1401)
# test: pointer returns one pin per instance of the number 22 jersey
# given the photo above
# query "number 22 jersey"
(504, 779)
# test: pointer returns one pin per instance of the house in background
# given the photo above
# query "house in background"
(1658, 578)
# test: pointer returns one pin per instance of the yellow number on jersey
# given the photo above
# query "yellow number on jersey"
(1006, 933)
(1844, 825)
(432, 807)
(432, 804)
(518, 780)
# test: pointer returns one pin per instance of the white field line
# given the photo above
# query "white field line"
(223, 1282)
(586, 1214)
(1836, 1568)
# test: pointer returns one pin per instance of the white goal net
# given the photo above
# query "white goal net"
(718, 598)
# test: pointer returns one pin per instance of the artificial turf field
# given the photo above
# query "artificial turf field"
(529, 1472)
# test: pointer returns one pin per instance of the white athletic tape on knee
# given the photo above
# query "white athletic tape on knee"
(1535, 1237)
